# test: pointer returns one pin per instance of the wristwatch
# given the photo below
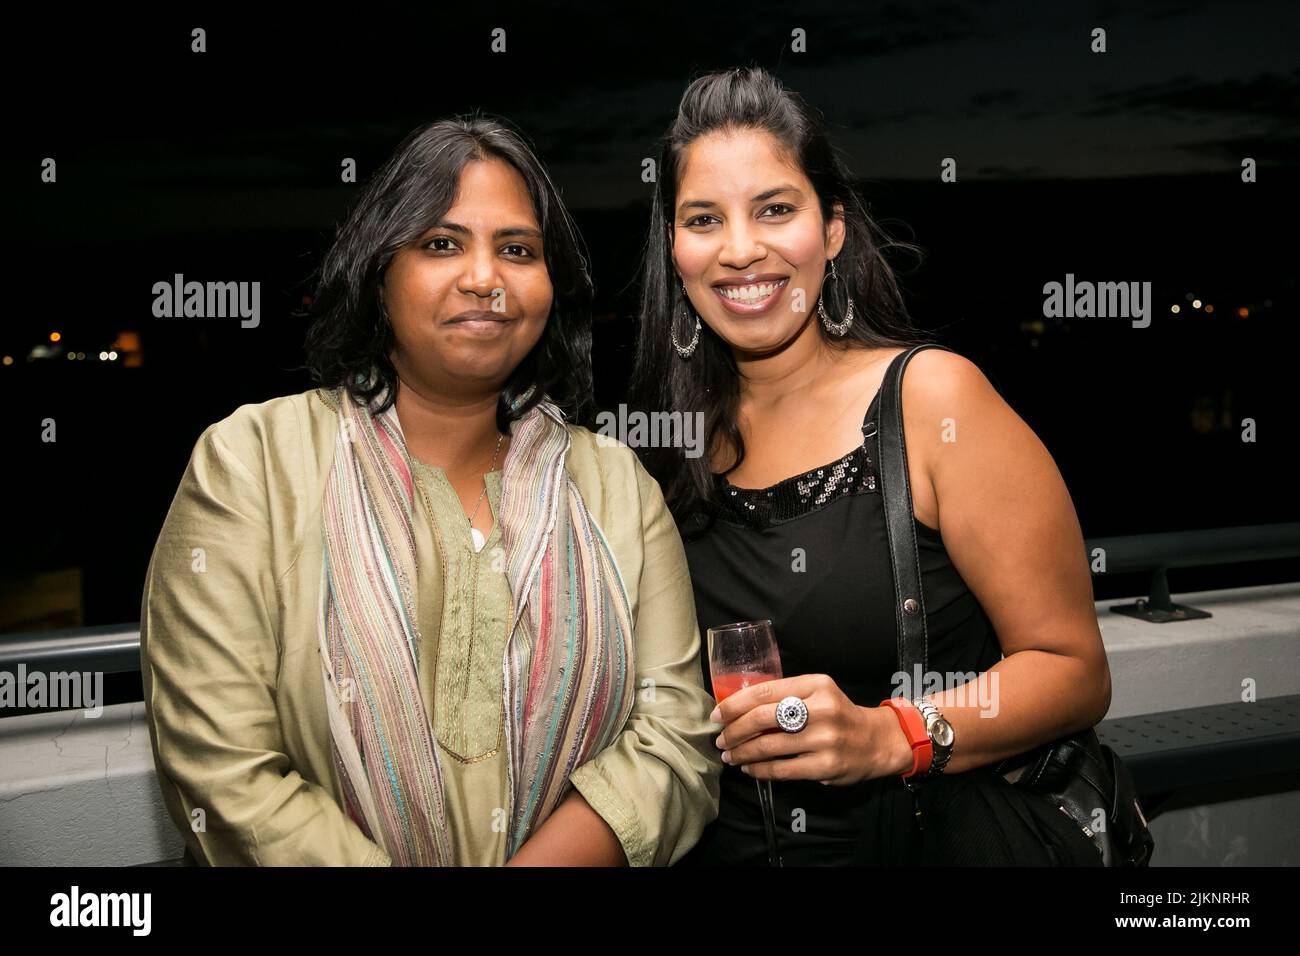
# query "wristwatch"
(940, 733)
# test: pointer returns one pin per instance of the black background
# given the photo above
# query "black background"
(224, 166)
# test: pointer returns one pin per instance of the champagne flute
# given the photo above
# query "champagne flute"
(741, 655)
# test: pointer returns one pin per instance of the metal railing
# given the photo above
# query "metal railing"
(108, 648)
(115, 648)
(1159, 552)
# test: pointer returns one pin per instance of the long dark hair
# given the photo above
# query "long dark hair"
(409, 194)
(709, 382)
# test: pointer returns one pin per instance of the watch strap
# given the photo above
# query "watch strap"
(930, 715)
(913, 724)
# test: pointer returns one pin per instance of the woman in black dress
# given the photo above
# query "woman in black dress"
(769, 309)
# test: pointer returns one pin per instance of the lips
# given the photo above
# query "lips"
(480, 324)
(478, 316)
(751, 294)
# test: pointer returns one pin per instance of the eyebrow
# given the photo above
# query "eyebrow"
(765, 194)
(504, 233)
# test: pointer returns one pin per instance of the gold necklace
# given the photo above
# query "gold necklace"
(474, 533)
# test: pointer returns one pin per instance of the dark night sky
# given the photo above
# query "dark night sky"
(1011, 90)
(1122, 166)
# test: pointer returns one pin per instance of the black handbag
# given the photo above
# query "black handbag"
(1077, 773)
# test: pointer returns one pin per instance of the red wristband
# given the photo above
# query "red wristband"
(913, 724)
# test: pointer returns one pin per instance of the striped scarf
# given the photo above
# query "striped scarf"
(567, 691)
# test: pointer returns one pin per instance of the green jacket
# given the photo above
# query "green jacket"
(232, 680)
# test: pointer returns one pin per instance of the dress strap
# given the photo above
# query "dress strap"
(871, 420)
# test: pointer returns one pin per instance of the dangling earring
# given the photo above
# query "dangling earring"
(685, 351)
(835, 328)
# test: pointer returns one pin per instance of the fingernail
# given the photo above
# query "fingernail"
(716, 716)
(726, 756)
(719, 742)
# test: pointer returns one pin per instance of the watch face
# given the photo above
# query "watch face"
(943, 733)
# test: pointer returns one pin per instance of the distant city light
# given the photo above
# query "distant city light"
(126, 347)
(1189, 297)
(1196, 303)
(8, 360)
(1243, 312)
(103, 356)
(72, 356)
(1174, 308)
(55, 336)
(112, 356)
(1208, 307)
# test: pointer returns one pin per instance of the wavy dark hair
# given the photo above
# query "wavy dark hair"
(350, 335)
(708, 382)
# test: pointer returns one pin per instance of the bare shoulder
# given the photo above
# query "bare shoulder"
(958, 431)
(971, 444)
(940, 376)
(943, 391)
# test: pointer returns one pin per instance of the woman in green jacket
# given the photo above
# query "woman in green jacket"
(418, 615)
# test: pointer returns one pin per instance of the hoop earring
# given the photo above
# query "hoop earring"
(834, 328)
(685, 351)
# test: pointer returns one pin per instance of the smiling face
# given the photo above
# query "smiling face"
(748, 234)
(471, 297)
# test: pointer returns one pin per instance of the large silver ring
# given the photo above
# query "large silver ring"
(792, 715)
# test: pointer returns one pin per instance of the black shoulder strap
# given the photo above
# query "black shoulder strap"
(896, 494)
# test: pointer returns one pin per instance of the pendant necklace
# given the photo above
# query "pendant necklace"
(475, 534)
